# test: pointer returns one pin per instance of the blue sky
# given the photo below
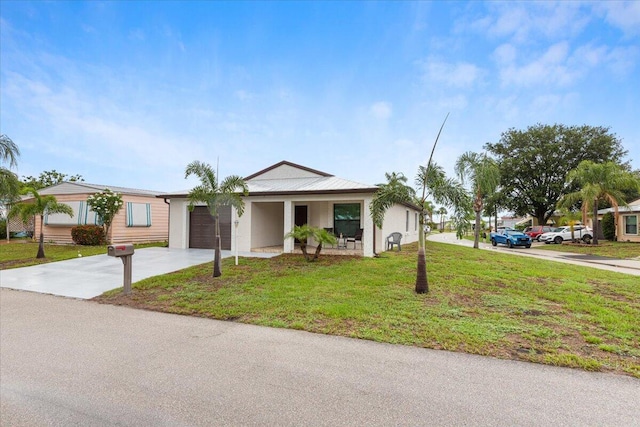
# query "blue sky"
(128, 93)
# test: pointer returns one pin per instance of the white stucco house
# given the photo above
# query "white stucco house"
(287, 194)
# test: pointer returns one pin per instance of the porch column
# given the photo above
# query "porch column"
(367, 226)
(288, 226)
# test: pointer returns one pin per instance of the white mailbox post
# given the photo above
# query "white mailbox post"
(125, 252)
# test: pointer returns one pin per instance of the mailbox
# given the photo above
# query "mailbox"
(124, 249)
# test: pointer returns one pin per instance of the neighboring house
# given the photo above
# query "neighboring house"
(284, 195)
(142, 218)
(628, 226)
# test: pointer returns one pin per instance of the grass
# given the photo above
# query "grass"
(22, 253)
(622, 250)
(479, 302)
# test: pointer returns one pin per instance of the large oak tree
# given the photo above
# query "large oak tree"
(534, 163)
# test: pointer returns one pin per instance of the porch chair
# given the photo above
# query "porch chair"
(394, 239)
(356, 238)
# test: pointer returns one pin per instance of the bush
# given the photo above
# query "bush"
(3, 228)
(88, 235)
(608, 226)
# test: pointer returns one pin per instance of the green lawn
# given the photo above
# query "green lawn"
(479, 302)
(22, 253)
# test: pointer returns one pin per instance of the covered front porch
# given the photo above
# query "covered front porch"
(265, 223)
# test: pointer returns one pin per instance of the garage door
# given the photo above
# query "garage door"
(202, 230)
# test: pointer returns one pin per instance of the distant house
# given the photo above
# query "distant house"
(627, 229)
(142, 218)
(282, 196)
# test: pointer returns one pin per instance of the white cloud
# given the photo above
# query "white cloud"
(381, 110)
(523, 23)
(461, 74)
(550, 68)
(622, 14)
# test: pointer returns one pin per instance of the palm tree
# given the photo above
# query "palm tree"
(215, 195)
(303, 233)
(433, 183)
(484, 176)
(393, 191)
(40, 205)
(599, 181)
(570, 218)
(442, 212)
(9, 183)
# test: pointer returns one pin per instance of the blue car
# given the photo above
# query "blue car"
(510, 238)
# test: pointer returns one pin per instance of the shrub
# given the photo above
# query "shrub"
(88, 235)
(608, 226)
(3, 228)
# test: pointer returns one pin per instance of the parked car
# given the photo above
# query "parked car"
(535, 231)
(510, 238)
(580, 232)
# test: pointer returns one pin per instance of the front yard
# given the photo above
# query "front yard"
(479, 302)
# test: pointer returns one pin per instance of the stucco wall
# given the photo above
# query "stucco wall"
(395, 221)
(267, 224)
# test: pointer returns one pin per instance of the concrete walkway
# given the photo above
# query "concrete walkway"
(626, 266)
(88, 277)
(70, 362)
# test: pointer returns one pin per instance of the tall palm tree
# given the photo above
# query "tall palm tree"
(599, 181)
(227, 193)
(434, 184)
(483, 174)
(9, 183)
(41, 206)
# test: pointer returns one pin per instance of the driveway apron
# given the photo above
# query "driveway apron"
(88, 277)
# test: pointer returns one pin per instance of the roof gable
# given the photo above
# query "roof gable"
(286, 170)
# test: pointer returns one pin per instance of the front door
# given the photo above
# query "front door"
(300, 217)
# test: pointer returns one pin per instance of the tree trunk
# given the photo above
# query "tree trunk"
(303, 248)
(217, 270)
(422, 283)
(476, 234)
(317, 252)
(41, 245)
(595, 222)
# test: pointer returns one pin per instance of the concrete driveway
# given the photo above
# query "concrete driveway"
(88, 277)
(626, 266)
(73, 362)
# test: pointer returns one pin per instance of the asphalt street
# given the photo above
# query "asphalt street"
(75, 362)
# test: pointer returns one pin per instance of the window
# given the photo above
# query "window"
(631, 224)
(346, 219)
(82, 214)
(138, 214)
(416, 221)
(407, 222)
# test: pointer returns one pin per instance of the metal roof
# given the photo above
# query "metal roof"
(80, 187)
(315, 184)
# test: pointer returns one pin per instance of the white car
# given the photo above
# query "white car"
(580, 232)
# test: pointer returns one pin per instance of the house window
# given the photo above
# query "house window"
(407, 222)
(346, 219)
(416, 220)
(138, 214)
(631, 224)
